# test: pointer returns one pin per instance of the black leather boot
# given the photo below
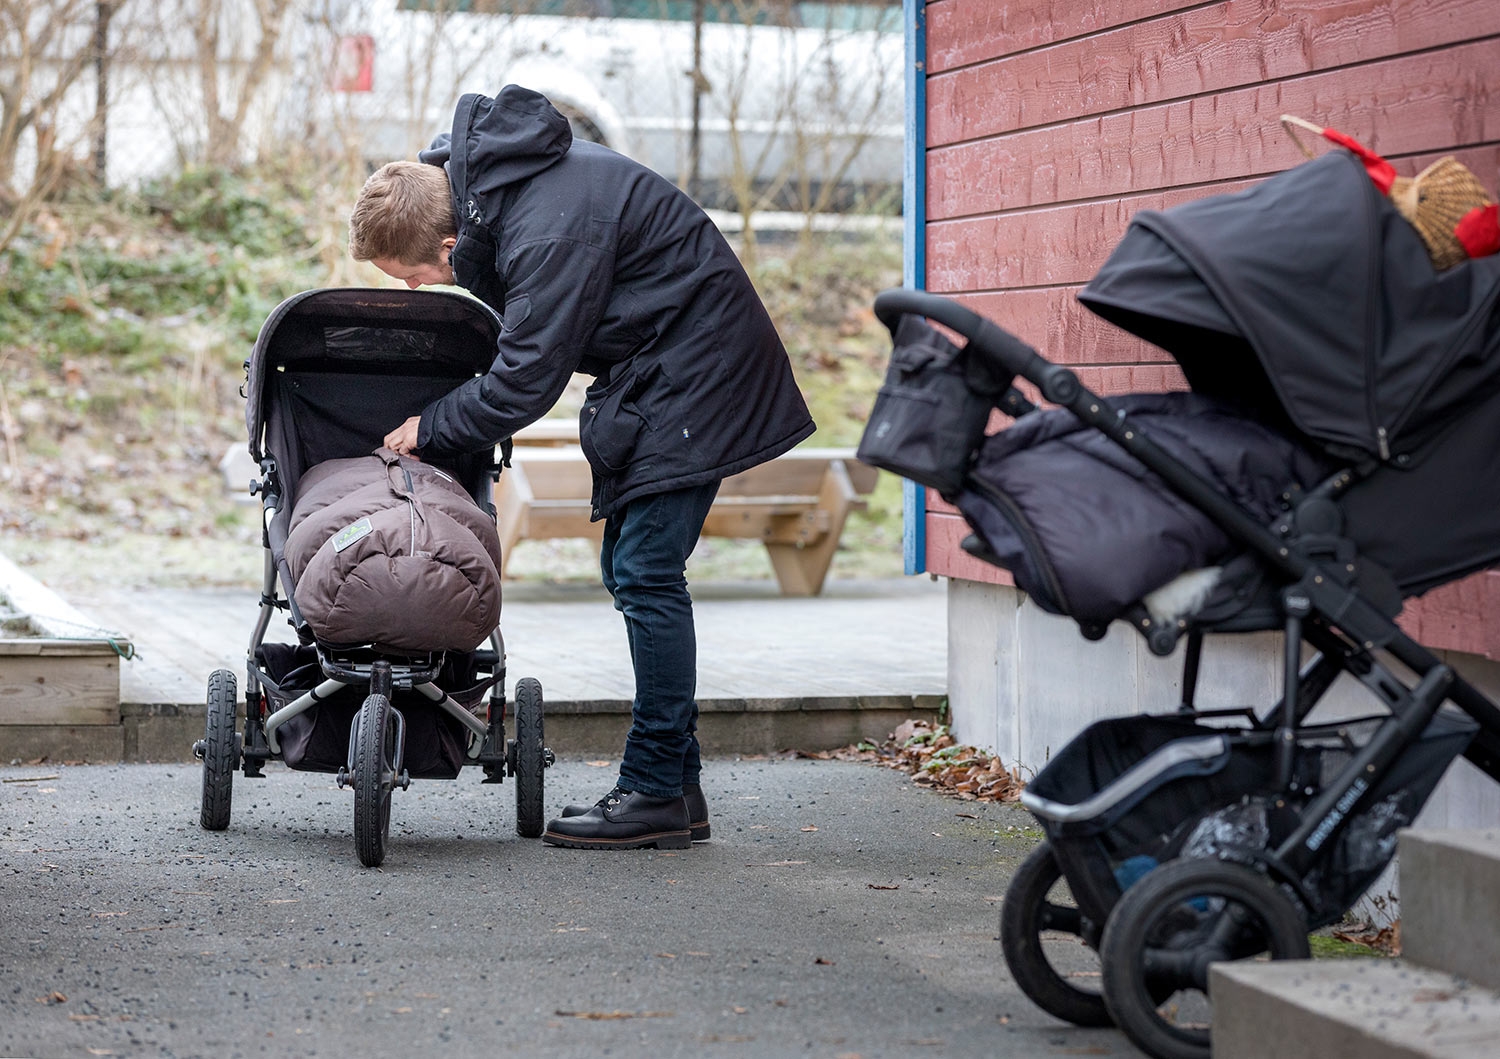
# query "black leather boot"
(697, 806)
(625, 820)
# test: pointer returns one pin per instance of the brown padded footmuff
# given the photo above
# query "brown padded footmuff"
(393, 552)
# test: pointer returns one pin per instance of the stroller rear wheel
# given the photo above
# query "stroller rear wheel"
(529, 758)
(374, 778)
(1040, 922)
(1165, 931)
(220, 751)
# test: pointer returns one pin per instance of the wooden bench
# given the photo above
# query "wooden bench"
(796, 505)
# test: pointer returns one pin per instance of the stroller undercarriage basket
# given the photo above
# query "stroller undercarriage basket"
(317, 740)
(1128, 794)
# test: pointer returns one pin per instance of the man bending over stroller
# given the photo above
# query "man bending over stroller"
(598, 265)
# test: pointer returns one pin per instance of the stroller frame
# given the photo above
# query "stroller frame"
(1321, 606)
(408, 347)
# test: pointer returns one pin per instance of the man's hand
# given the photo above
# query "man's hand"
(403, 440)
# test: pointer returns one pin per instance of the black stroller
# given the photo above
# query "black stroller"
(331, 372)
(1340, 452)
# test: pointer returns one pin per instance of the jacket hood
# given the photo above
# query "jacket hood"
(499, 141)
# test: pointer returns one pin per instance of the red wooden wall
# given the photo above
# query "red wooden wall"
(1049, 124)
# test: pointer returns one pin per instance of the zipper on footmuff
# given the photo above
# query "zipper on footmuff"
(411, 507)
(1018, 521)
(409, 494)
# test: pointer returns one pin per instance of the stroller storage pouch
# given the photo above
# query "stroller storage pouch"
(930, 414)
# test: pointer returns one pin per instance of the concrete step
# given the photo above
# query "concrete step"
(164, 732)
(1450, 903)
(1350, 1009)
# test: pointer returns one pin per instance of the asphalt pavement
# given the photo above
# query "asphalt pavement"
(839, 911)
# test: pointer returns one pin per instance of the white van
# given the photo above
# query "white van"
(795, 100)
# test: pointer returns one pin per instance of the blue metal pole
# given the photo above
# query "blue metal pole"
(914, 244)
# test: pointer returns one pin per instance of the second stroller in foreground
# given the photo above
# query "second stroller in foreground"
(1307, 485)
(387, 568)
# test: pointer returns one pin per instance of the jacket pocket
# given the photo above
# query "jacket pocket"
(613, 420)
(517, 310)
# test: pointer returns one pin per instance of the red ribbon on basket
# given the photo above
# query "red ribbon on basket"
(1382, 173)
(1436, 201)
(1479, 231)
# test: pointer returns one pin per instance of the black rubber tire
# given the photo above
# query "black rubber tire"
(530, 758)
(221, 751)
(1172, 924)
(373, 780)
(1025, 915)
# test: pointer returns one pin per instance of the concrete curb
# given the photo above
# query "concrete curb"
(165, 732)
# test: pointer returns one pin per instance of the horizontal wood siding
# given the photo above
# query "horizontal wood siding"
(1050, 124)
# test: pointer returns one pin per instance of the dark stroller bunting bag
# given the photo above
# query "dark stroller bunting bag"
(1339, 452)
(386, 568)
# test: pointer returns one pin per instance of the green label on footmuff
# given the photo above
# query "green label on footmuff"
(351, 533)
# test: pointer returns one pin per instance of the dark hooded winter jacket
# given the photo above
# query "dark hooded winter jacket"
(598, 265)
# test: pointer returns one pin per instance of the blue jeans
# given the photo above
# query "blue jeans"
(643, 559)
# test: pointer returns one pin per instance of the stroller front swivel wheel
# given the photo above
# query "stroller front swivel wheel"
(1039, 924)
(220, 751)
(528, 758)
(1165, 931)
(375, 740)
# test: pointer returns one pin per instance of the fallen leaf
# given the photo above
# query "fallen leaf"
(667, 955)
(1386, 940)
(53, 998)
(810, 827)
(877, 886)
(739, 1010)
(604, 1015)
(935, 760)
(776, 864)
(598, 764)
(100, 1051)
(825, 963)
(967, 816)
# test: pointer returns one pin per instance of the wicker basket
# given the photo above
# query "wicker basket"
(1434, 201)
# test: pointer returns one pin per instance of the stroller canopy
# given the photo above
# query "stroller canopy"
(423, 343)
(1311, 300)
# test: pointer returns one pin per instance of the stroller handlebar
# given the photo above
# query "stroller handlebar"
(1001, 350)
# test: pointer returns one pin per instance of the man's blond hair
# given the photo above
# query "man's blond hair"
(404, 212)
